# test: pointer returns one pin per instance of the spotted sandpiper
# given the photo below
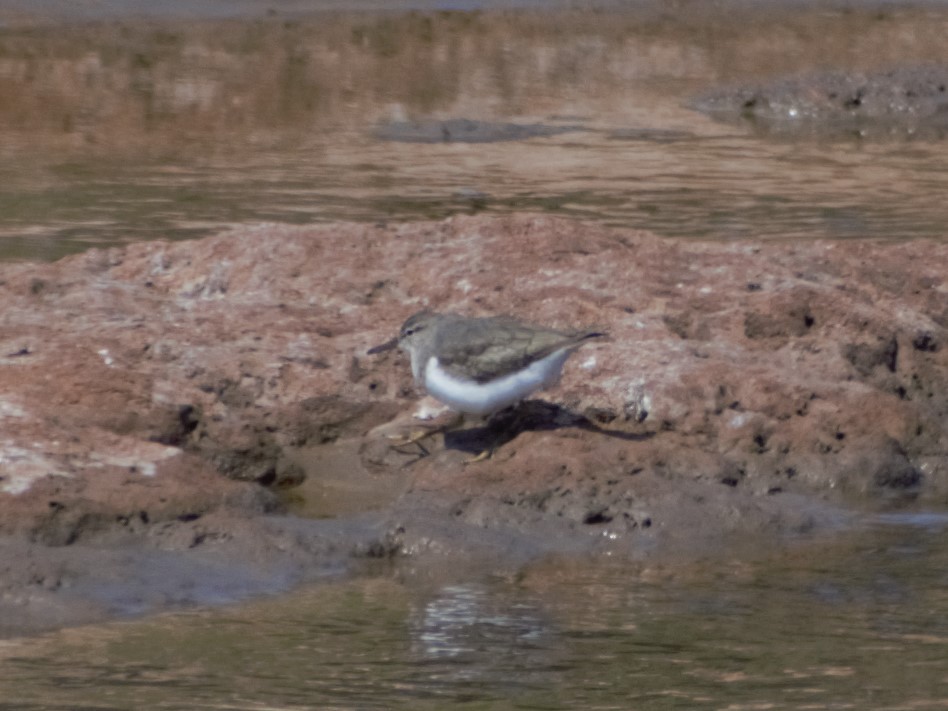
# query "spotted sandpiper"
(479, 366)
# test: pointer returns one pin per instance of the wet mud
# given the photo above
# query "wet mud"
(213, 403)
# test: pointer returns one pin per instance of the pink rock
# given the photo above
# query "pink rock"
(741, 374)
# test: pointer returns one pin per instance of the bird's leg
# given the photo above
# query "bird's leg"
(398, 442)
(424, 433)
(486, 454)
(499, 423)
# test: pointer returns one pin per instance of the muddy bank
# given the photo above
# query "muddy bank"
(896, 102)
(165, 404)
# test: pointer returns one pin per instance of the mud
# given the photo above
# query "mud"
(199, 421)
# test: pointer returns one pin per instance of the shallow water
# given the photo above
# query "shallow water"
(118, 130)
(861, 623)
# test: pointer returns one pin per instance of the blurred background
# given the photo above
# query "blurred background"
(125, 120)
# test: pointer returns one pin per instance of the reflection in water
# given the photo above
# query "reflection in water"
(468, 639)
(861, 623)
(119, 131)
(459, 621)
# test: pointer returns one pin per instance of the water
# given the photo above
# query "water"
(861, 623)
(119, 131)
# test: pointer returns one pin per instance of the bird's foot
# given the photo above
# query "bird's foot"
(483, 456)
(501, 426)
(417, 436)
(399, 442)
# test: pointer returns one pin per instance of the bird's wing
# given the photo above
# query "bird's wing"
(497, 346)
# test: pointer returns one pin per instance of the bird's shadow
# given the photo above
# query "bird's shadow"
(527, 416)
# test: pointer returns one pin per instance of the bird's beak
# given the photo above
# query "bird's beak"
(387, 346)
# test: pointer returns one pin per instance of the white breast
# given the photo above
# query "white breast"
(484, 398)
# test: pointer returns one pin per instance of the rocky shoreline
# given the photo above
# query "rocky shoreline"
(166, 404)
(900, 102)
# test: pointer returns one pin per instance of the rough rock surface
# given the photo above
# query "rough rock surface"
(899, 101)
(744, 389)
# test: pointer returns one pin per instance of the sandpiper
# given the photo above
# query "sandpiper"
(479, 366)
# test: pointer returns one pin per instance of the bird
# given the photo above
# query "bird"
(481, 366)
